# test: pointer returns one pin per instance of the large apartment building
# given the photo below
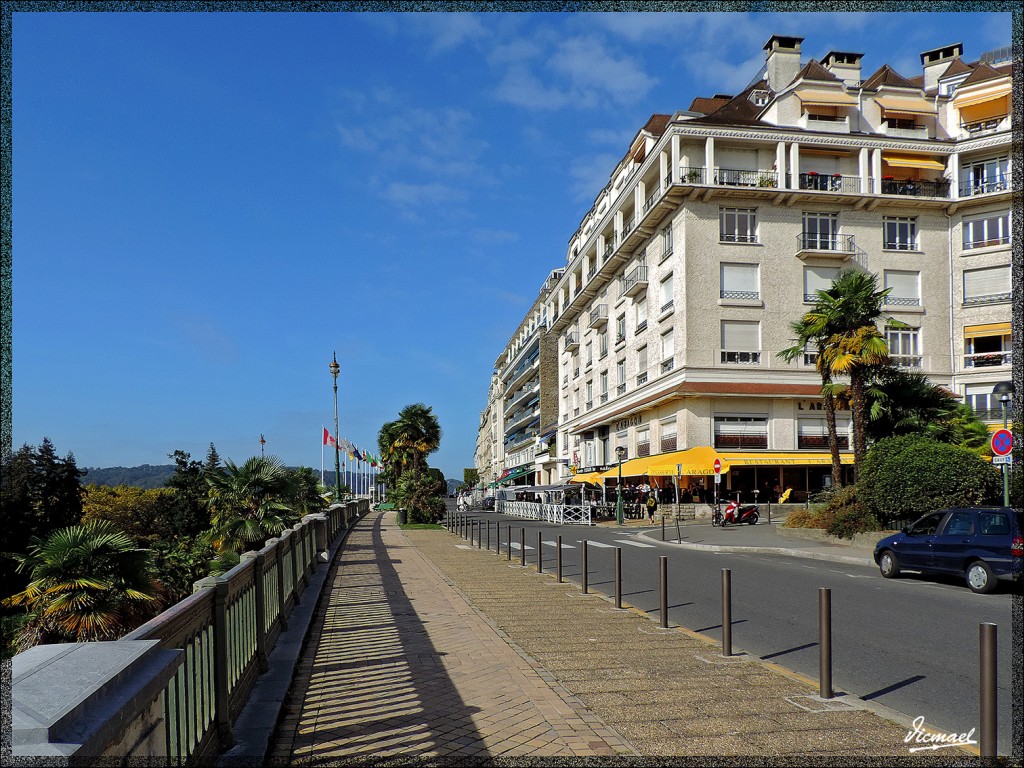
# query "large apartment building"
(720, 223)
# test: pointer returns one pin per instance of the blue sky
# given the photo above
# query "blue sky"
(207, 206)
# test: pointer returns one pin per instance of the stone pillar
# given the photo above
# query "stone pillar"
(864, 171)
(953, 173)
(794, 165)
(675, 157)
(709, 160)
(876, 171)
(780, 163)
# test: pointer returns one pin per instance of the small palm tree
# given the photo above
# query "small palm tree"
(249, 503)
(89, 582)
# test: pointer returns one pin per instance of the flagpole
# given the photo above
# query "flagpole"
(322, 455)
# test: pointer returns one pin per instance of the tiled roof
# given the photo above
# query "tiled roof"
(981, 73)
(956, 67)
(917, 81)
(657, 124)
(886, 75)
(706, 106)
(739, 110)
(814, 71)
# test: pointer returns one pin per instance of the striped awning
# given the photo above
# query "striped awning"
(783, 458)
(906, 106)
(986, 329)
(971, 97)
(810, 98)
(897, 160)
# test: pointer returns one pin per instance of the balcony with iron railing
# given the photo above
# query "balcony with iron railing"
(688, 175)
(971, 188)
(519, 396)
(643, 449)
(820, 442)
(827, 123)
(668, 443)
(572, 341)
(621, 389)
(599, 316)
(902, 301)
(741, 357)
(915, 187)
(912, 362)
(746, 178)
(988, 359)
(755, 441)
(833, 246)
(988, 298)
(994, 414)
(667, 307)
(829, 182)
(667, 365)
(641, 378)
(743, 295)
(521, 372)
(634, 282)
(604, 397)
(987, 242)
(984, 127)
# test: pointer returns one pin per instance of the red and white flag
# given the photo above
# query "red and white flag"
(328, 440)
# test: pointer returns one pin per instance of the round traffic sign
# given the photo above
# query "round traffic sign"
(718, 466)
(1002, 442)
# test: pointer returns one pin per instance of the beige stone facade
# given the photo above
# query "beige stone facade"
(717, 227)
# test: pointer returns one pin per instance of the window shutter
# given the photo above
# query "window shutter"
(739, 277)
(819, 278)
(987, 282)
(667, 347)
(905, 285)
(741, 335)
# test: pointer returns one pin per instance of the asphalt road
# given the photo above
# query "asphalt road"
(910, 644)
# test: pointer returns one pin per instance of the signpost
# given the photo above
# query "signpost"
(1002, 447)
(718, 478)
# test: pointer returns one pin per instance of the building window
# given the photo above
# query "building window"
(620, 377)
(993, 229)
(622, 441)
(740, 281)
(667, 352)
(741, 342)
(818, 279)
(741, 432)
(738, 225)
(604, 386)
(590, 394)
(643, 441)
(899, 233)
(641, 314)
(987, 286)
(641, 366)
(988, 175)
(904, 347)
(667, 299)
(620, 329)
(590, 354)
(666, 243)
(821, 231)
(905, 288)
(602, 344)
(812, 432)
(986, 405)
(987, 345)
(668, 436)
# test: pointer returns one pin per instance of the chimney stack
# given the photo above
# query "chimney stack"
(935, 62)
(783, 60)
(845, 66)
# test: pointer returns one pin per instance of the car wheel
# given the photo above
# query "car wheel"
(888, 565)
(980, 577)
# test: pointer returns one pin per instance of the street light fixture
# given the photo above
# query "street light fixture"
(262, 443)
(335, 369)
(1005, 391)
(620, 452)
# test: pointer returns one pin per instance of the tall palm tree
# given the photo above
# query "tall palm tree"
(846, 316)
(806, 337)
(411, 438)
(89, 582)
(903, 402)
(249, 503)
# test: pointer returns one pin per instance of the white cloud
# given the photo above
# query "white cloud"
(408, 194)
(590, 174)
(522, 88)
(594, 71)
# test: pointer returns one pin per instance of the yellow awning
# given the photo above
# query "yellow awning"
(825, 99)
(691, 462)
(586, 477)
(986, 110)
(631, 468)
(906, 106)
(981, 95)
(913, 161)
(777, 458)
(987, 329)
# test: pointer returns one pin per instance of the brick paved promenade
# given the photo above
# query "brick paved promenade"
(426, 647)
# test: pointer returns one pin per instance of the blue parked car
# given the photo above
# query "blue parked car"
(982, 544)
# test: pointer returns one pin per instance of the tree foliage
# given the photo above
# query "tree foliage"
(406, 442)
(250, 502)
(422, 494)
(906, 476)
(88, 582)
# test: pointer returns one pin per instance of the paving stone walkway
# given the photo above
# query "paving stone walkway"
(399, 664)
(428, 647)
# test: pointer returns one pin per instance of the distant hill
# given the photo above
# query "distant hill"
(145, 476)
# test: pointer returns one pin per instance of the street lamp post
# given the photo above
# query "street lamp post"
(335, 369)
(1005, 389)
(620, 452)
(262, 443)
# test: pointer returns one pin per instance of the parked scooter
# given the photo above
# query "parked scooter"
(734, 513)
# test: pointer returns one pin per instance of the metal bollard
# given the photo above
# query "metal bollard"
(508, 541)
(480, 533)
(488, 535)
(679, 536)
(663, 527)
(618, 577)
(522, 547)
(585, 574)
(664, 591)
(988, 729)
(497, 537)
(558, 558)
(726, 612)
(825, 642)
(540, 554)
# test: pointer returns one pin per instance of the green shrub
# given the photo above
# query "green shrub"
(905, 477)
(421, 495)
(847, 515)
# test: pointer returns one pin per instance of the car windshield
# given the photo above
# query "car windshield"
(927, 524)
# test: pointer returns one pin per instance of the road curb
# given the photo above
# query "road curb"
(803, 553)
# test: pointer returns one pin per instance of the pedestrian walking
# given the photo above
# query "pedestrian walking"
(652, 507)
